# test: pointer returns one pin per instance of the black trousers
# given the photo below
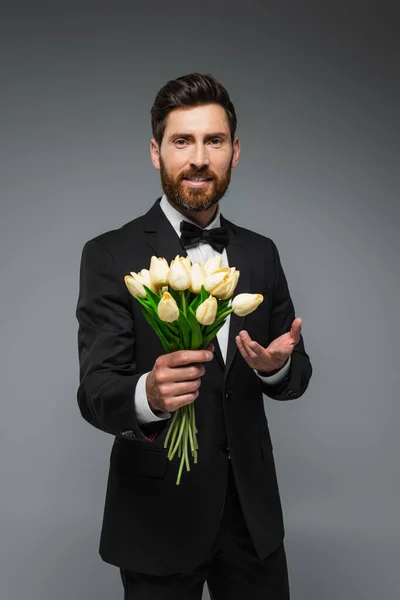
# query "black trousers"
(233, 570)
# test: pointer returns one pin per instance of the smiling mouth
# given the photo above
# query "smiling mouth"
(196, 183)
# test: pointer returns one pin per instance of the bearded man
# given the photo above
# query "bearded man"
(223, 524)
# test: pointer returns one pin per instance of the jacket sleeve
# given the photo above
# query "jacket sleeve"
(282, 315)
(106, 348)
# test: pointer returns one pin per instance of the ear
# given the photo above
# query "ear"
(236, 152)
(155, 153)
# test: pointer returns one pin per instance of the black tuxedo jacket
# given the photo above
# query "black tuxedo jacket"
(150, 524)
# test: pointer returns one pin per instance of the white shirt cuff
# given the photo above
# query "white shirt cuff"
(276, 377)
(144, 414)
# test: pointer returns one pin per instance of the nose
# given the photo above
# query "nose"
(199, 158)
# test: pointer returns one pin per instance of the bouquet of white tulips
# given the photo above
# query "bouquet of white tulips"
(186, 304)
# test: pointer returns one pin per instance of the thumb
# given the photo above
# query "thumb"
(296, 329)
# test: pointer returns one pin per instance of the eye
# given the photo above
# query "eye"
(217, 140)
(180, 140)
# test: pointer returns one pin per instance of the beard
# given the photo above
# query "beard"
(190, 198)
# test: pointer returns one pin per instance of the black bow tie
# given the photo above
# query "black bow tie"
(192, 235)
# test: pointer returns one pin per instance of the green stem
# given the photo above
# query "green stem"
(175, 425)
(186, 440)
(223, 315)
(179, 436)
(191, 440)
(183, 300)
(178, 480)
(194, 428)
(171, 427)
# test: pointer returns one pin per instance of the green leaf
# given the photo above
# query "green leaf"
(212, 330)
(194, 305)
(176, 295)
(153, 323)
(222, 306)
(210, 335)
(172, 328)
(145, 302)
(185, 330)
(203, 294)
(152, 297)
(197, 336)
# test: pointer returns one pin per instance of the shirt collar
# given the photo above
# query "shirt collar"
(175, 217)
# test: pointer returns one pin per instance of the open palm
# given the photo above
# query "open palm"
(274, 356)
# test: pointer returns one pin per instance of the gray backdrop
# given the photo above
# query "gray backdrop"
(316, 93)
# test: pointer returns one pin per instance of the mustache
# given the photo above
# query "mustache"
(204, 174)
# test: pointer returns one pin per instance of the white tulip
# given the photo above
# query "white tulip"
(244, 304)
(230, 284)
(134, 286)
(213, 263)
(144, 278)
(159, 271)
(197, 277)
(207, 311)
(186, 260)
(222, 282)
(215, 279)
(179, 273)
(167, 308)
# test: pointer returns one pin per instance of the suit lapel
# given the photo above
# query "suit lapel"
(164, 242)
(237, 257)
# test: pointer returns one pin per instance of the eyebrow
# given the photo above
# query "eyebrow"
(189, 136)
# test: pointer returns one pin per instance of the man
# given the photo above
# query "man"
(223, 524)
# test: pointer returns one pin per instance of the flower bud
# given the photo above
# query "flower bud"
(213, 263)
(186, 260)
(207, 311)
(197, 277)
(222, 282)
(167, 308)
(144, 278)
(244, 304)
(159, 271)
(134, 286)
(215, 279)
(230, 284)
(179, 273)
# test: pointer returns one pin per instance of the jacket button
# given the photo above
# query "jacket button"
(228, 394)
(224, 447)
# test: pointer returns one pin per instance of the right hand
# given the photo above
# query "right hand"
(174, 380)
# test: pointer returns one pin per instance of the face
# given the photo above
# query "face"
(196, 144)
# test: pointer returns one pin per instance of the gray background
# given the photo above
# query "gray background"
(315, 91)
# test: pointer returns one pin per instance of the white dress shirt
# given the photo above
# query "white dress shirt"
(200, 253)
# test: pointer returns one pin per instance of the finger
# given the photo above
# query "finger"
(295, 329)
(242, 349)
(184, 373)
(185, 357)
(178, 388)
(256, 348)
(243, 340)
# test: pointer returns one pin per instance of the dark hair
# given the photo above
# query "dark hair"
(194, 89)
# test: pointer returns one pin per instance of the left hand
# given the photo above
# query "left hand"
(275, 355)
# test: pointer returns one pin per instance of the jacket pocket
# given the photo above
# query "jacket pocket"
(132, 458)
